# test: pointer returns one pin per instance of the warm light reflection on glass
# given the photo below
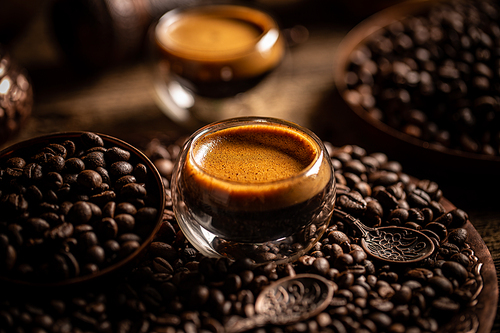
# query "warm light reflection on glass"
(181, 96)
(5, 86)
(266, 43)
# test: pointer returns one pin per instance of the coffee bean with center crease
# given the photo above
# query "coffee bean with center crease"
(90, 139)
(94, 159)
(80, 213)
(115, 154)
(120, 169)
(90, 179)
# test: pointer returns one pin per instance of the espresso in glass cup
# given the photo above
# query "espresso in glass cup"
(250, 187)
(206, 57)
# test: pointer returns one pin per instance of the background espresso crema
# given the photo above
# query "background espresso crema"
(218, 51)
(248, 174)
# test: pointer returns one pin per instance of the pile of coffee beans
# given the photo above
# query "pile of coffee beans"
(175, 289)
(72, 206)
(435, 75)
(16, 97)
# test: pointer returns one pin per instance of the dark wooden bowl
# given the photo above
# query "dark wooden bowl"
(155, 189)
(415, 153)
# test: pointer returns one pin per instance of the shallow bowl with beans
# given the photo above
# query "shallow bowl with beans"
(422, 77)
(74, 207)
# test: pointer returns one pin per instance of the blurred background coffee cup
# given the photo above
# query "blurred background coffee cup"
(216, 61)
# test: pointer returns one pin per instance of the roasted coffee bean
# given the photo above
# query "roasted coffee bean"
(125, 208)
(458, 236)
(445, 306)
(441, 285)
(352, 202)
(54, 164)
(386, 199)
(94, 160)
(343, 261)
(321, 266)
(419, 274)
(10, 258)
(438, 228)
(163, 250)
(459, 218)
(15, 163)
(133, 191)
(125, 222)
(33, 171)
(129, 237)
(108, 210)
(107, 228)
(74, 165)
(90, 179)
(80, 213)
(90, 140)
(140, 172)
(338, 237)
(37, 225)
(115, 154)
(120, 169)
(104, 175)
(103, 197)
(145, 214)
(444, 219)
(345, 280)
(127, 248)
(454, 270)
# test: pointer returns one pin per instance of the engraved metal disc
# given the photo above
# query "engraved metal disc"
(397, 244)
(295, 298)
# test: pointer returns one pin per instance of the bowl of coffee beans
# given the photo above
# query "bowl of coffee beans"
(424, 76)
(75, 206)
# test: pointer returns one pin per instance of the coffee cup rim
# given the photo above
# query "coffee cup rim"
(311, 168)
(269, 26)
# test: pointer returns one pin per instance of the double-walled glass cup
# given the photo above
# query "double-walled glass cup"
(251, 187)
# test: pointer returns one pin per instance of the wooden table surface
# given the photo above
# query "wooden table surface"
(119, 101)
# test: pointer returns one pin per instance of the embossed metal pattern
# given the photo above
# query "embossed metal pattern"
(393, 244)
(398, 244)
(286, 301)
(295, 298)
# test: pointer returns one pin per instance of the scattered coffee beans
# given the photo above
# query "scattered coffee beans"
(435, 76)
(175, 289)
(71, 207)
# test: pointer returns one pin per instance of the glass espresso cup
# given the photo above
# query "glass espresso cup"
(206, 57)
(250, 187)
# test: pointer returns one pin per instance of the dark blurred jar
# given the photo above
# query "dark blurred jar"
(98, 33)
(15, 16)
(16, 97)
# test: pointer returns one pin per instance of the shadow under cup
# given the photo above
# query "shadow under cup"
(258, 188)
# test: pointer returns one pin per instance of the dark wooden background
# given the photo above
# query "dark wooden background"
(118, 100)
